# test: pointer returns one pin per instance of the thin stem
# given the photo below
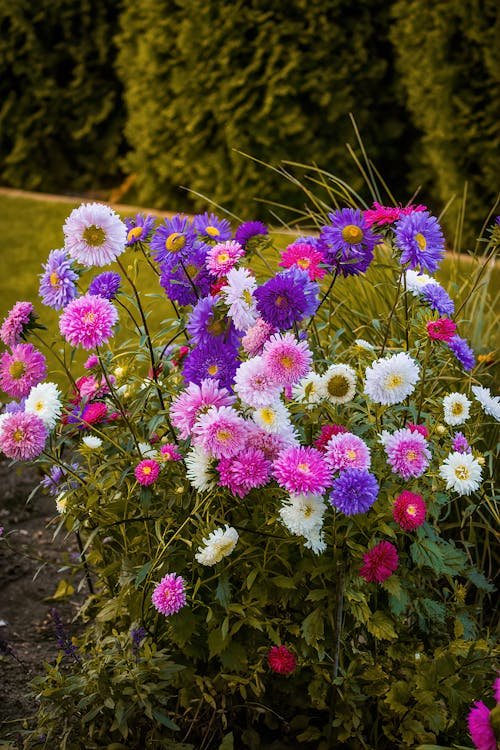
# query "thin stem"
(424, 384)
(59, 359)
(391, 314)
(84, 561)
(327, 293)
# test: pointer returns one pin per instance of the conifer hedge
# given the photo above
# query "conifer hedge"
(61, 110)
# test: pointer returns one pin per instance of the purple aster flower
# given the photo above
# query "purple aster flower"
(106, 285)
(206, 323)
(186, 279)
(421, 241)
(175, 237)
(14, 406)
(287, 298)
(460, 444)
(57, 283)
(438, 299)
(138, 229)
(55, 481)
(354, 491)
(210, 228)
(250, 229)
(214, 360)
(348, 242)
(463, 352)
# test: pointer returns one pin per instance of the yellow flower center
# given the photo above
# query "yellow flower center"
(54, 279)
(223, 257)
(18, 435)
(268, 416)
(175, 242)
(134, 234)
(462, 472)
(352, 234)
(17, 370)
(223, 435)
(39, 406)
(411, 510)
(457, 408)
(411, 455)
(420, 240)
(146, 470)
(393, 381)
(338, 386)
(213, 370)
(304, 468)
(247, 297)
(308, 511)
(351, 454)
(224, 548)
(89, 317)
(304, 263)
(286, 362)
(212, 231)
(94, 236)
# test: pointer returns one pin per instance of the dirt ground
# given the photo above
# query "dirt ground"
(30, 562)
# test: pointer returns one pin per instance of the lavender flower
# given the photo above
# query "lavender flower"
(64, 641)
(463, 352)
(287, 298)
(106, 285)
(57, 283)
(438, 299)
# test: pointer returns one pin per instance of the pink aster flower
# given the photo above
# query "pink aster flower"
(195, 401)
(220, 432)
(441, 330)
(379, 562)
(388, 214)
(241, 473)
(22, 436)
(302, 470)
(223, 256)
(327, 431)
(270, 443)
(286, 359)
(256, 336)
(88, 321)
(169, 452)
(281, 660)
(146, 472)
(304, 256)
(16, 322)
(24, 368)
(91, 362)
(254, 385)
(480, 728)
(169, 595)
(420, 428)
(347, 451)
(407, 453)
(409, 510)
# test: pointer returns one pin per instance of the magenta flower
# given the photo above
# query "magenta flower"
(241, 473)
(421, 428)
(88, 321)
(306, 257)
(407, 453)
(169, 595)
(388, 214)
(91, 362)
(480, 728)
(460, 444)
(347, 451)
(327, 431)
(409, 510)
(220, 432)
(22, 436)
(379, 563)
(146, 472)
(281, 660)
(16, 323)
(442, 329)
(24, 368)
(302, 471)
(169, 452)
(197, 400)
(286, 359)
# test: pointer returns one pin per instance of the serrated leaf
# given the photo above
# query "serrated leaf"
(480, 581)
(313, 627)
(380, 626)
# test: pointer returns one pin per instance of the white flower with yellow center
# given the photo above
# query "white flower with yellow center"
(461, 472)
(456, 408)
(273, 418)
(219, 544)
(338, 384)
(238, 295)
(363, 344)
(302, 513)
(61, 502)
(44, 401)
(309, 389)
(391, 379)
(415, 282)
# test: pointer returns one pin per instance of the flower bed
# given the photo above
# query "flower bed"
(278, 517)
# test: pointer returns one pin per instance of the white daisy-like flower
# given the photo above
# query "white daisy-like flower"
(461, 472)
(391, 379)
(490, 404)
(273, 418)
(253, 384)
(315, 540)
(238, 295)
(219, 544)
(198, 469)
(338, 384)
(61, 502)
(44, 401)
(94, 234)
(415, 282)
(309, 389)
(363, 344)
(301, 514)
(456, 408)
(92, 441)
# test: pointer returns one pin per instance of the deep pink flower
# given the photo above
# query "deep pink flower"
(286, 359)
(281, 660)
(88, 321)
(480, 728)
(22, 436)
(91, 362)
(379, 562)
(146, 472)
(388, 214)
(220, 432)
(169, 595)
(347, 451)
(304, 256)
(241, 473)
(420, 428)
(328, 431)
(93, 413)
(409, 510)
(302, 470)
(24, 368)
(169, 452)
(442, 329)
(195, 401)
(16, 322)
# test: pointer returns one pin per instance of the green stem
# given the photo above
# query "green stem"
(325, 296)
(117, 401)
(391, 314)
(424, 384)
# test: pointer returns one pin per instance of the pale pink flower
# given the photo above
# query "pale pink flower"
(347, 451)
(220, 432)
(195, 401)
(286, 359)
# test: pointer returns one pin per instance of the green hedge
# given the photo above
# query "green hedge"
(61, 111)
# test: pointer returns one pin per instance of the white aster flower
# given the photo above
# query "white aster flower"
(94, 234)
(238, 295)
(198, 469)
(309, 389)
(301, 514)
(92, 441)
(273, 418)
(416, 281)
(219, 544)
(363, 344)
(490, 404)
(61, 502)
(147, 450)
(315, 540)
(253, 384)
(338, 384)
(44, 401)
(461, 472)
(391, 379)
(456, 408)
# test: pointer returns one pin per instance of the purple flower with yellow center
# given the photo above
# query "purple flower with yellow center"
(186, 279)
(248, 230)
(438, 299)
(175, 237)
(24, 368)
(206, 323)
(463, 352)
(214, 360)
(139, 228)
(348, 242)
(287, 298)
(212, 229)
(106, 285)
(421, 241)
(57, 283)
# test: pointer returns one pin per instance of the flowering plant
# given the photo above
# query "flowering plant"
(270, 506)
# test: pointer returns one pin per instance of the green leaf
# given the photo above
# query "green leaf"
(141, 575)
(223, 591)
(480, 580)
(165, 720)
(380, 626)
(228, 742)
(313, 627)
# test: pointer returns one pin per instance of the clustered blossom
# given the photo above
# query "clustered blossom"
(461, 472)
(407, 452)
(147, 471)
(302, 470)
(354, 491)
(22, 436)
(16, 323)
(169, 595)
(88, 321)
(21, 369)
(391, 379)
